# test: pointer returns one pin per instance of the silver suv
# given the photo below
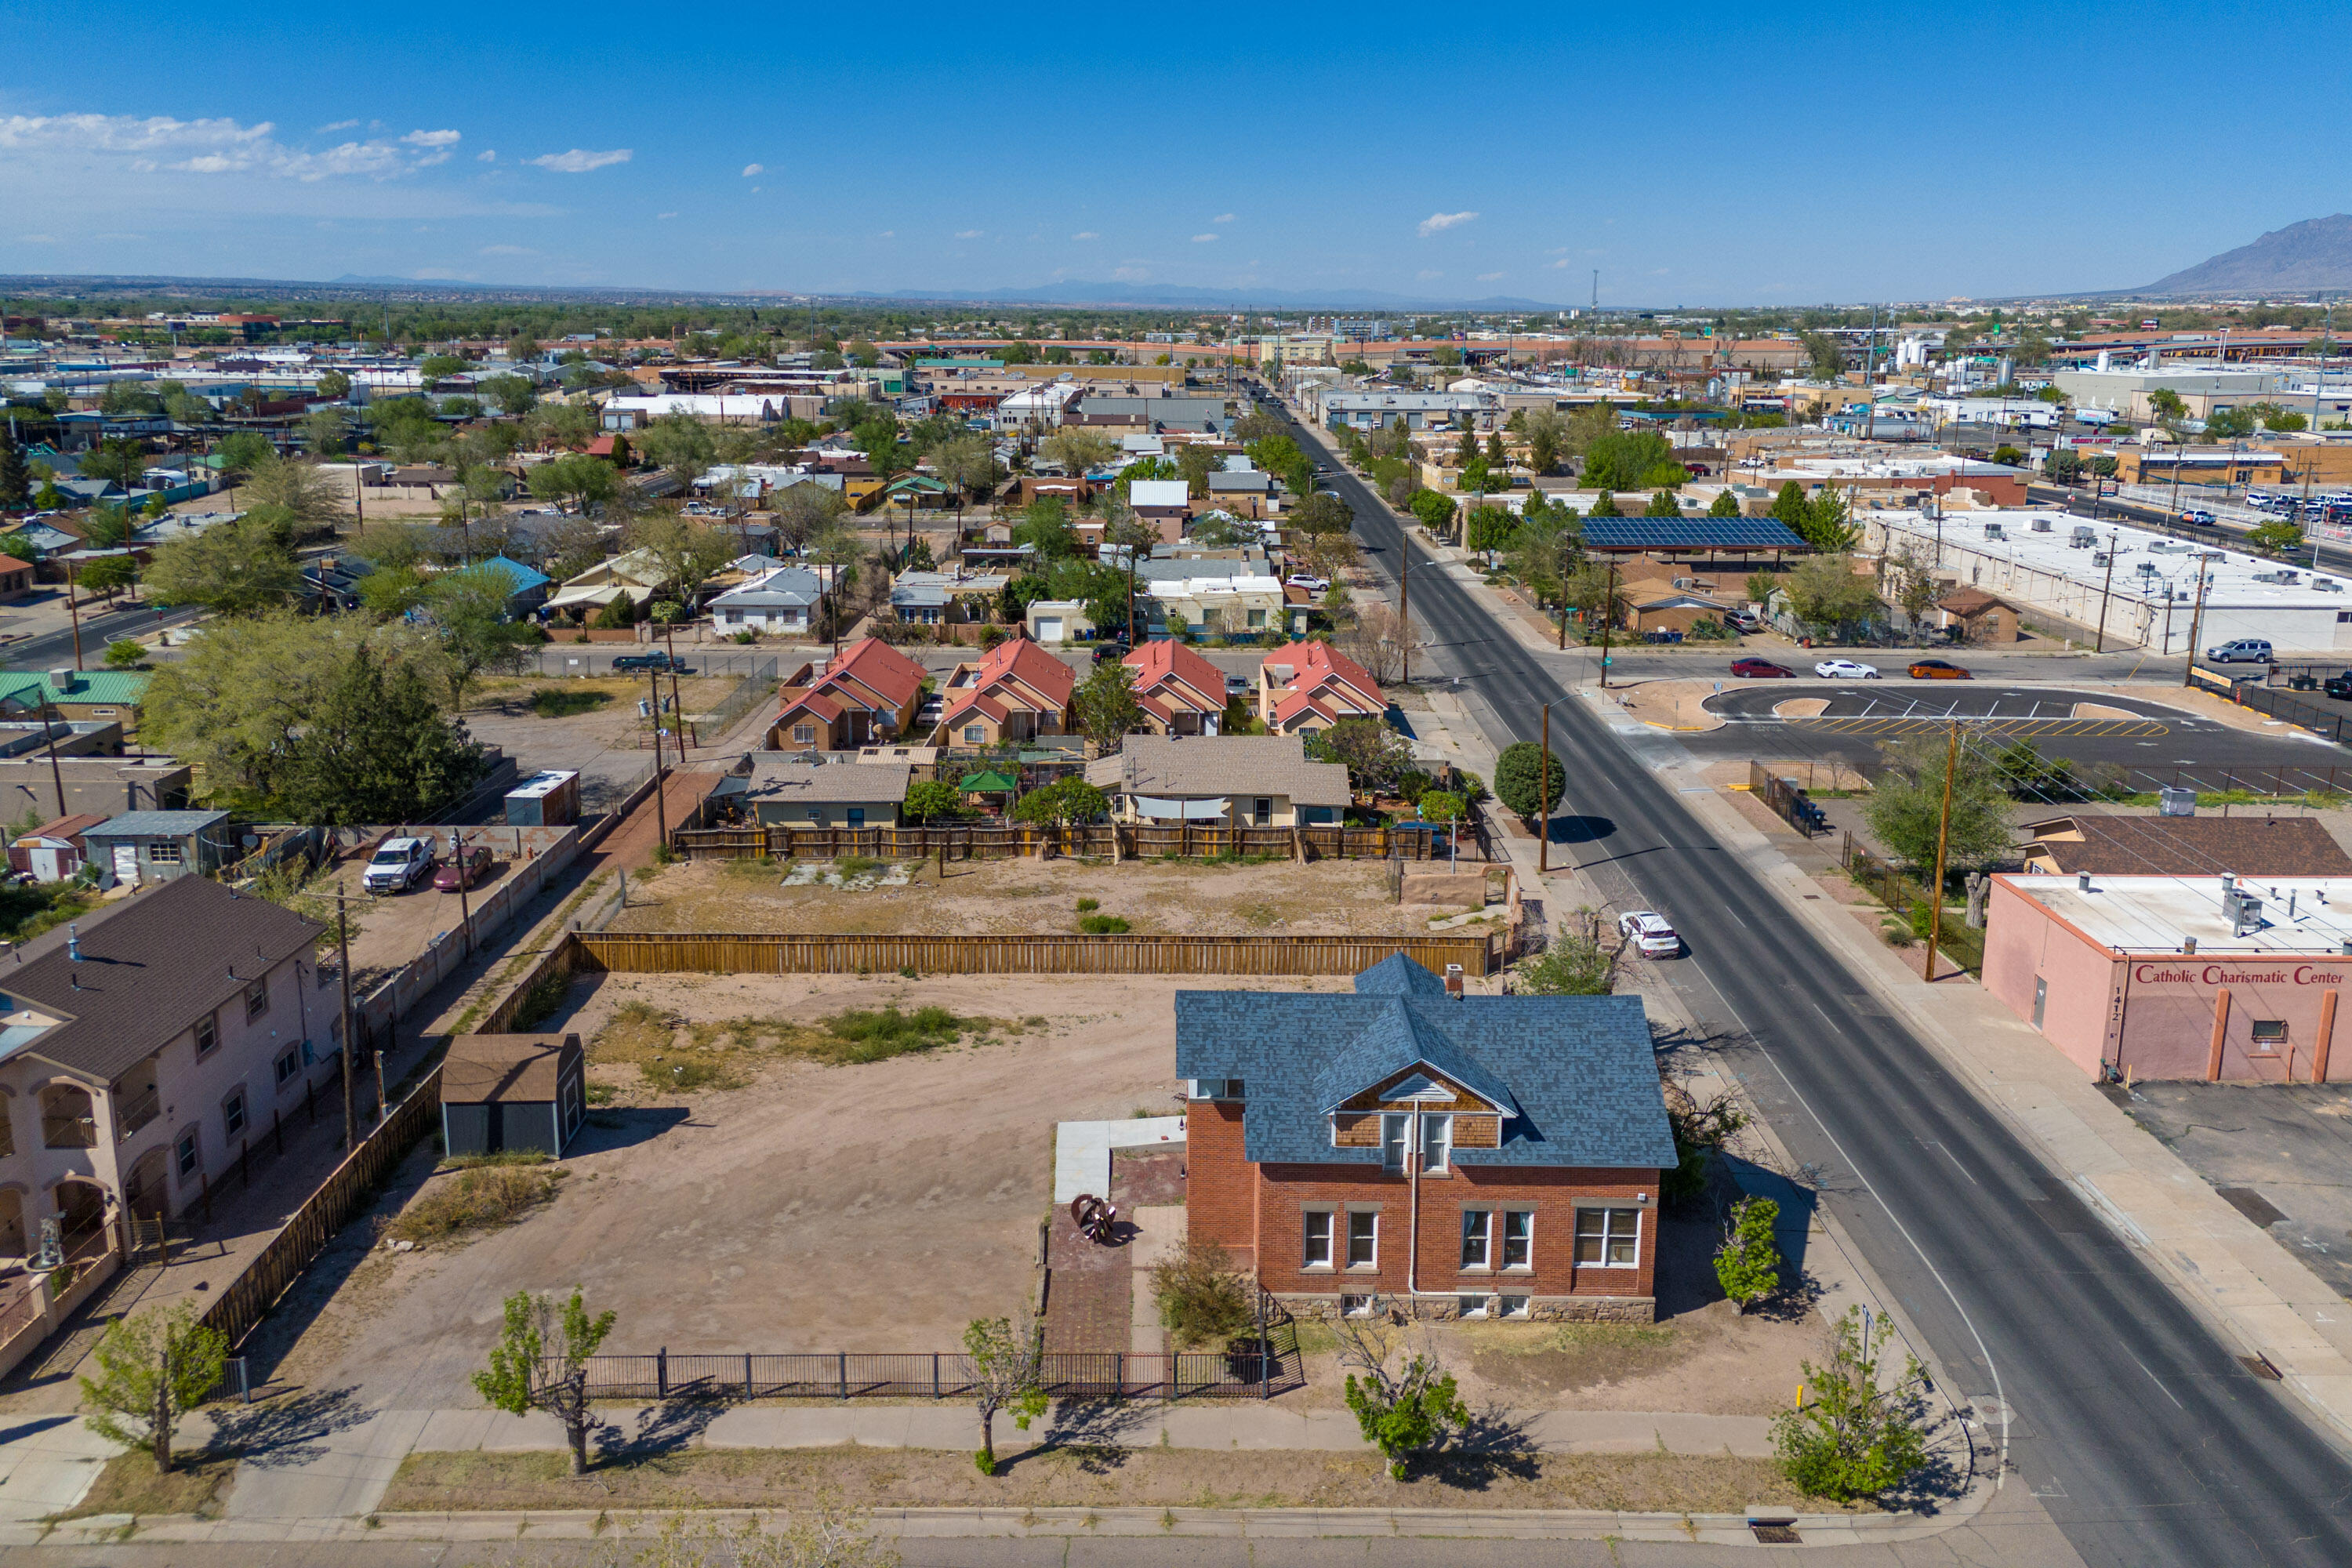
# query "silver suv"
(2244, 650)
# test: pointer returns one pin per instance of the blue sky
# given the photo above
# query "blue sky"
(1696, 154)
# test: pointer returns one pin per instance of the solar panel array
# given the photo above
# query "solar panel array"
(1689, 534)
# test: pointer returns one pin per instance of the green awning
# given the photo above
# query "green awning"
(987, 784)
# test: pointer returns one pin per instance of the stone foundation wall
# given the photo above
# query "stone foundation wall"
(1440, 1309)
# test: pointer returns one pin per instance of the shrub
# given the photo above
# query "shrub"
(125, 653)
(1201, 1296)
(855, 864)
(1852, 1439)
(562, 702)
(1574, 964)
(1088, 905)
(868, 1036)
(1103, 925)
(1748, 1264)
(1520, 776)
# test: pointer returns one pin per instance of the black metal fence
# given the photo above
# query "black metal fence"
(1787, 801)
(1259, 1371)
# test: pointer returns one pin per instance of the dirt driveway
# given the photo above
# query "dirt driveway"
(876, 1206)
(1325, 898)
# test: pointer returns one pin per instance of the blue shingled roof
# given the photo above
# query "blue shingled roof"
(1577, 1070)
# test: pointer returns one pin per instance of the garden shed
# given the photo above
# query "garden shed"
(512, 1094)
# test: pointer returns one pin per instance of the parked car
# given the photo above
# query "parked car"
(1313, 584)
(1845, 669)
(1741, 621)
(464, 871)
(2198, 518)
(1650, 934)
(1938, 669)
(2244, 650)
(399, 865)
(657, 660)
(2340, 687)
(1760, 669)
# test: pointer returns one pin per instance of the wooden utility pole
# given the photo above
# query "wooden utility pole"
(661, 805)
(1608, 614)
(1943, 832)
(73, 608)
(2100, 645)
(350, 1041)
(2196, 620)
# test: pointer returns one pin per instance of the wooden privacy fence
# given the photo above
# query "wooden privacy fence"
(311, 1226)
(1124, 841)
(695, 952)
(1250, 1373)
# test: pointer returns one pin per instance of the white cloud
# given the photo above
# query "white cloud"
(1561, 262)
(159, 144)
(1489, 277)
(1222, 218)
(1436, 223)
(751, 169)
(1086, 234)
(508, 250)
(887, 233)
(970, 233)
(487, 155)
(578, 160)
(433, 138)
(339, 125)
(1203, 238)
(665, 217)
(1426, 273)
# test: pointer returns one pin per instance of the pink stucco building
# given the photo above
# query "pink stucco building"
(2177, 977)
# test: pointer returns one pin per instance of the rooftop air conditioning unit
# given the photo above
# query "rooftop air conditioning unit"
(2042, 525)
(1992, 530)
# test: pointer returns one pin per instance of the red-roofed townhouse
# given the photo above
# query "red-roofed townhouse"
(1180, 692)
(869, 694)
(1017, 693)
(1305, 685)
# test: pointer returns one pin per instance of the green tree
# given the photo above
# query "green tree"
(514, 394)
(1907, 803)
(1790, 507)
(929, 800)
(679, 444)
(125, 653)
(377, 748)
(474, 628)
(685, 550)
(1604, 505)
(1196, 463)
(1725, 504)
(1005, 1358)
(1491, 530)
(1548, 545)
(1045, 527)
(2063, 466)
(1528, 782)
(1545, 431)
(16, 488)
(1375, 755)
(1826, 592)
(1020, 353)
(1853, 1440)
(575, 480)
(1105, 705)
(1829, 525)
(432, 368)
(968, 463)
(117, 459)
(1405, 1402)
(1748, 1264)
(1574, 962)
(109, 574)
(154, 1367)
(1077, 449)
(1663, 504)
(1062, 804)
(312, 501)
(541, 1363)
(243, 451)
(231, 569)
(2276, 537)
(1626, 459)
(1434, 508)
(334, 384)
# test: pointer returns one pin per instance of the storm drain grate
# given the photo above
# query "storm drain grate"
(2260, 1365)
(1776, 1534)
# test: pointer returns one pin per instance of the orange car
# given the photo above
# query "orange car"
(1938, 669)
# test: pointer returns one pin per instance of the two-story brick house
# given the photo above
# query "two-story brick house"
(1446, 1155)
(868, 694)
(1017, 692)
(144, 1045)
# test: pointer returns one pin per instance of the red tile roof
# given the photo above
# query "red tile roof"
(1315, 664)
(870, 669)
(1166, 661)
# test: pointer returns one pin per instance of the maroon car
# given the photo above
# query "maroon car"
(1759, 668)
(463, 871)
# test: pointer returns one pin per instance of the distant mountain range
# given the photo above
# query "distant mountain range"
(1181, 297)
(2302, 258)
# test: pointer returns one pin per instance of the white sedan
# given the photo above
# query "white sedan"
(1845, 669)
(1650, 934)
(1313, 584)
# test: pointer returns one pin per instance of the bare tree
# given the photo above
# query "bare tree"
(1377, 640)
(1404, 1399)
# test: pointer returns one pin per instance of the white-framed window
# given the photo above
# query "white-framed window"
(975, 734)
(804, 734)
(1514, 1306)
(1262, 808)
(1478, 1239)
(288, 1066)
(207, 1034)
(1470, 1306)
(1519, 1238)
(163, 852)
(1436, 1143)
(1394, 1125)
(1317, 1252)
(256, 999)
(1363, 1238)
(183, 1154)
(233, 1112)
(1608, 1238)
(1218, 1087)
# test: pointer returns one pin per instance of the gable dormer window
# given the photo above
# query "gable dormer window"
(1436, 1143)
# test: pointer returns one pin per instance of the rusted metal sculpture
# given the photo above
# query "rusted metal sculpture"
(1096, 1218)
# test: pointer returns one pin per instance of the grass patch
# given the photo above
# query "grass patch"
(762, 870)
(483, 1198)
(1093, 1477)
(1088, 905)
(673, 1054)
(1103, 925)
(128, 1484)
(855, 866)
(865, 1035)
(503, 1157)
(564, 701)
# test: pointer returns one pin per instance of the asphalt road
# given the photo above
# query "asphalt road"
(2141, 1435)
(53, 650)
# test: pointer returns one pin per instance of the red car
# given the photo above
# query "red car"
(455, 873)
(1759, 668)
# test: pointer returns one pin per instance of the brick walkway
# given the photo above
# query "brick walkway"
(1090, 1303)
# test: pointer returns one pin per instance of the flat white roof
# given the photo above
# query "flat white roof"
(2148, 565)
(540, 785)
(2156, 914)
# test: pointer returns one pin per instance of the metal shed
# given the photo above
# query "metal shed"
(510, 1093)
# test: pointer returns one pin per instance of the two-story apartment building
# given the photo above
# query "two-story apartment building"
(1179, 691)
(1443, 1155)
(1016, 693)
(870, 693)
(143, 1047)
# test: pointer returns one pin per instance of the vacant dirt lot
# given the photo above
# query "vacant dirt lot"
(1104, 1476)
(876, 1206)
(1323, 898)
